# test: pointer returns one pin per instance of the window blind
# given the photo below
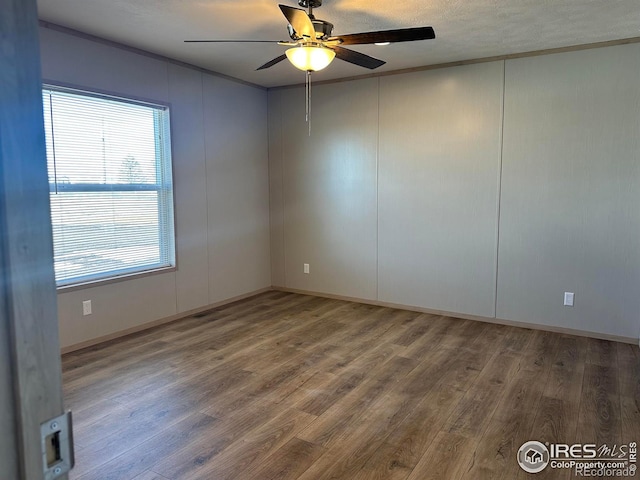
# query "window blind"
(110, 184)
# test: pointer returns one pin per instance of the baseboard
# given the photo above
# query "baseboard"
(499, 321)
(156, 323)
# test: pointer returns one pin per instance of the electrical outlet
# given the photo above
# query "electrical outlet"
(86, 307)
(568, 299)
(305, 268)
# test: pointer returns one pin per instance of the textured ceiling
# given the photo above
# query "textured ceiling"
(465, 30)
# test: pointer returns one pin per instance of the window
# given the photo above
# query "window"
(111, 192)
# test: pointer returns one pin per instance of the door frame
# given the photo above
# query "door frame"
(30, 368)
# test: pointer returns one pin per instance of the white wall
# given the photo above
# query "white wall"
(219, 135)
(438, 188)
(235, 121)
(570, 217)
(479, 211)
(329, 189)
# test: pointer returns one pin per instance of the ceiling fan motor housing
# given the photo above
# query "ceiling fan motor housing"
(310, 3)
(323, 29)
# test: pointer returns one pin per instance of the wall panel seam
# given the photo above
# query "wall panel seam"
(499, 193)
(282, 194)
(378, 198)
(206, 189)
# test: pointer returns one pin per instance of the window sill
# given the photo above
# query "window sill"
(115, 279)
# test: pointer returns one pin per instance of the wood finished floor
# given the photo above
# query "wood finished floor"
(287, 386)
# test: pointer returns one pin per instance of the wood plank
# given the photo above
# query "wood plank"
(384, 464)
(346, 413)
(435, 388)
(149, 475)
(556, 420)
(512, 422)
(137, 461)
(349, 451)
(273, 386)
(599, 417)
(567, 371)
(403, 447)
(351, 454)
(410, 326)
(321, 399)
(493, 334)
(249, 452)
(472, 415)
(190, 459)
(445, 458)
(128, 434)
(288, 462)
(441, 328)
(601, 352)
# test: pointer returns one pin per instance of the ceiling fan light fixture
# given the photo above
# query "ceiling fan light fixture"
(310, 58)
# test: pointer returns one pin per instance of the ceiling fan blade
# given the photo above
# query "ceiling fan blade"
(392, 36)
(357, 58)
(231, 41)
(300, 21)
(271, 63)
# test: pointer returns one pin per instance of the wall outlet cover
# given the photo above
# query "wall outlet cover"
(86, 307)
(568, 299)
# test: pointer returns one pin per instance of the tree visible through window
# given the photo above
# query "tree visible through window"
(110, 184)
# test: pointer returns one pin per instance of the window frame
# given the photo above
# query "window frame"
(166, 145)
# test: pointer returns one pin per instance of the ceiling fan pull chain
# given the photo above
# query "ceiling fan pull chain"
(308, 100)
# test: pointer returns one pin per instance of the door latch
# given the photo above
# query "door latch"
(56, 436)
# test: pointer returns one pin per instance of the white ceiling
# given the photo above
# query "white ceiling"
(465, 29)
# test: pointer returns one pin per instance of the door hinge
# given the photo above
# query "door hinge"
(56, 436)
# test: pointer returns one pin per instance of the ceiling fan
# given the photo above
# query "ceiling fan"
(313, 47)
